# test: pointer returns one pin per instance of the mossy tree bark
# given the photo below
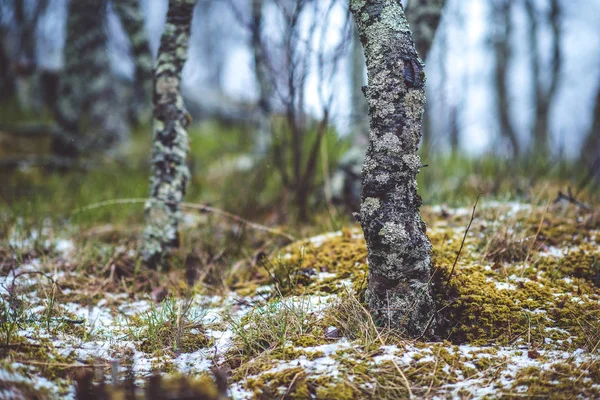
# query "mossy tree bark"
(170, 173)
(398, 292)
(424, 19)
(132, 19)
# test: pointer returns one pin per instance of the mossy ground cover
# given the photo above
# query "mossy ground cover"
(518, 317)
(282, 318)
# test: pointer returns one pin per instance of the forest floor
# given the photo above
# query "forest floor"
(519, 316)
(280, 312)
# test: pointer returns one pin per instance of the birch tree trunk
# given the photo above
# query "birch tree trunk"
(398, 292)
(170, 173)
(132, 19)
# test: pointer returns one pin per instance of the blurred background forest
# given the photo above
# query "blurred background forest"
(279, 121)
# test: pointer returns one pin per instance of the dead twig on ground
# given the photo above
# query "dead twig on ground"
(463, 240)
(570, 198)
(193, 206)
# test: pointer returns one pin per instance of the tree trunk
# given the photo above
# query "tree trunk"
(85, 38)
(543, 99)
(6, 74)
(86, 89)
(424, 18)
(502, 49)
(132, 20)
(398, 292)
(590, 152)
(261, 70)
(170, 173)
(27, 80)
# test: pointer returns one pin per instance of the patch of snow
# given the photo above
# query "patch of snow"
(64, 246)
(317, 241)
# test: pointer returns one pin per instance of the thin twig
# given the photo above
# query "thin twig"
(63, 365)
(570, 198)
(291, 385)
(463, 241)
(534, 239)
(193, 206)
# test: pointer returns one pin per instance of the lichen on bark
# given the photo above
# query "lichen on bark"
(170, 173)
(398, 292)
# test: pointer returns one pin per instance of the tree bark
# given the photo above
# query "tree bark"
(398, 292)
(170, 173)
(132, 20)
(502, 50)
(424, 18)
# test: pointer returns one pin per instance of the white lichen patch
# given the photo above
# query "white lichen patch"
(393, 233)
(369, 206)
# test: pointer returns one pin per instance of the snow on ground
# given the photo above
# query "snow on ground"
(108, 328)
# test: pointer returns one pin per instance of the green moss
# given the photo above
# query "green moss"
(292, 382)
(559, 381)
(338, 391)
(295, 268)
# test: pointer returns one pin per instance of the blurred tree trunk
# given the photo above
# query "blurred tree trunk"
(261, 71)
(132, 19)
(398, 292)
(454, 130)
(543, 98)
(6, 74)
(27, 81)
(170, 173)
(424, 18)
(360, 119)
(590, 152)
(502, 10)
(86, 109)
